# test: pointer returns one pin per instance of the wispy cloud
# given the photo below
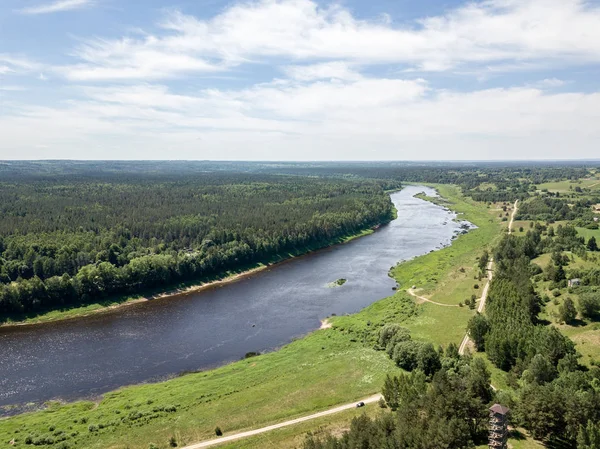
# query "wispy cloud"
(12, 88)
(488, 34)
(56, 6)
(549, 83)
(11, 64)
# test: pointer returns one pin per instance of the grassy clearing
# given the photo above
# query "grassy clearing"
(324, 369)
(569, 186)
(576, 261)
(588, 233)
(518, 439)
(584, 333)
(587, 340)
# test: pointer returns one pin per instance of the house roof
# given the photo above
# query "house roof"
(497, 408)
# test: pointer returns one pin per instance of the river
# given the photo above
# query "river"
(152, 340)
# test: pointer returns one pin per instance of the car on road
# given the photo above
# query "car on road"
(360, 404)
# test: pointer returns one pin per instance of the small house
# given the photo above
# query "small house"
(574, 282)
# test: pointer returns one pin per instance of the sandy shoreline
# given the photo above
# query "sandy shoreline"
(326, 324)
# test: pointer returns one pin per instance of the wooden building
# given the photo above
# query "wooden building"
(498, 431)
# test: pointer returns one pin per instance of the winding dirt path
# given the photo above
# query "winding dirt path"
(412, 292)
(249, 433)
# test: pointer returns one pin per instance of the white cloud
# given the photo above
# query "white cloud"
(130, 59)
(549, 83)
(8, 88)
(332, 100)
(497, 35)
(488, 33)
(362, 119)
(328, 70)
(57, 6)
(16, 64)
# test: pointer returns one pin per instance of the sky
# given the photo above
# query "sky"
(300, 79)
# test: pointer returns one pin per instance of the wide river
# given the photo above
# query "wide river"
(155, 339)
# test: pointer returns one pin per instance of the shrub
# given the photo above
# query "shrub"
(172, 442)
(406, 353)
(567, 311)
(589, 305)
(218, 431)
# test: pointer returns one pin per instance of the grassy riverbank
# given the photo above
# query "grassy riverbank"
(109, 304)
(326, 368)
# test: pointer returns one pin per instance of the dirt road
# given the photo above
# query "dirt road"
(484, 294)
(411, 292)
(237, 436)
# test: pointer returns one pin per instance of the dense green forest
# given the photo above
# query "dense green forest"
(71, 238)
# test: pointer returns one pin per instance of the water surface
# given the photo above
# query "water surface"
(152, 340)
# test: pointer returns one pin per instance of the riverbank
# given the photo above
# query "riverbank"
(326, 368)
(111, 304)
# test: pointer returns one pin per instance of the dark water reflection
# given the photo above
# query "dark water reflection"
(149, 341)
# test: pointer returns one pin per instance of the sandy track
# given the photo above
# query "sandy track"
(237, 436)
(481, 307)
(411, 292)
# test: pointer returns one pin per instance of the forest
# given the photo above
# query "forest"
(76, 237)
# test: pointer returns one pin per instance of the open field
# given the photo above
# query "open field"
(584, 333)
(326, 368)
(569, 186)
(588, 233)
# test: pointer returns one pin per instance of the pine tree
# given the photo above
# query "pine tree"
(592, 245)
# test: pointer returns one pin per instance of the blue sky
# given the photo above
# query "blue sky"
(299, 79)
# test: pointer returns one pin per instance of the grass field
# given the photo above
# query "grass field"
(587, 233)
(326, 368)
(585, 333)
(293, 436)
(569, 186)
